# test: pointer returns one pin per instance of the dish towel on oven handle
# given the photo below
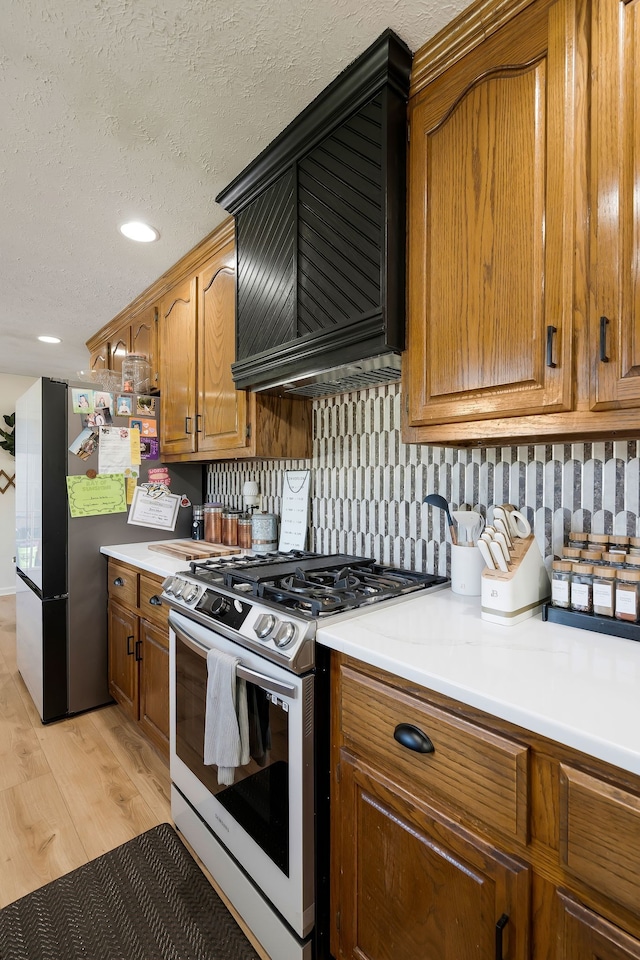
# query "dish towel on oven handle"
(226, 720)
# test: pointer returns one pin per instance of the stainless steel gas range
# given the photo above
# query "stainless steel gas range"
(264, 837)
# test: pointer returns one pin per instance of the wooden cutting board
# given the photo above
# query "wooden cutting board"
(193, 549)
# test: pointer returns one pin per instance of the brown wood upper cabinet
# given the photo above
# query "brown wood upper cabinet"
(490, 239)
(203, 416)
(127, 334)
(523, 238)
(615, 239)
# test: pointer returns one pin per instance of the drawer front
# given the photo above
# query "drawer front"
(472, 769)
(151, 607)
(600, 835)
(123, 584)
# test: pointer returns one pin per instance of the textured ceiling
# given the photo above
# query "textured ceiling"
(115, 110)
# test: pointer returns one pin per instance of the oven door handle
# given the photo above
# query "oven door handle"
(244, 673)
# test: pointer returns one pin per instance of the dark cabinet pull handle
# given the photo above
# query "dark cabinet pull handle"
(603, 340)
(155, 600)
(500, 925)
(413, 738)
(118, 582)
(550, 332)
(187, 424)
(198, 425)
(138, 646)
(129, 652)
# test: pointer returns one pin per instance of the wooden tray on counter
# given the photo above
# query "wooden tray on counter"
(193, 549)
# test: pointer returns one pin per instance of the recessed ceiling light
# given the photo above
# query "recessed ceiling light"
(50, 339)
(139, 231)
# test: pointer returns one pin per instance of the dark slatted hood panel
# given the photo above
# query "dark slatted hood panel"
(320, 228)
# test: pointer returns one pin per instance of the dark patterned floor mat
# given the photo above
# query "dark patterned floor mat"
(145, 900)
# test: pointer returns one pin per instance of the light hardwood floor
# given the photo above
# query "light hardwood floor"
(71, 790)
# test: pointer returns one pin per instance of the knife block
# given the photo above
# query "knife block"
(511, 597)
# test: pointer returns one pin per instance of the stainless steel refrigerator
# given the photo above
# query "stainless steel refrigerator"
(61, 582)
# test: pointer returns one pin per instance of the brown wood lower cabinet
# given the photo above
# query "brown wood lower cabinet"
(139, 650)
(414, 884)
(423, 865)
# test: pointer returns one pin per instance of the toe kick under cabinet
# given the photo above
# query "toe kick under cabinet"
(139, 650)
(457, 835)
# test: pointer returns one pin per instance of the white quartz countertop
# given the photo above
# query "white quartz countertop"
(579, 688)
(139, 555)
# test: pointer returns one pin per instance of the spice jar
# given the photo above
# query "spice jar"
(628, 595)
(245, 534)
(582, 587)
(213, 522)
(614, 559)
(598, 541)
(230, 527)
(634, 546)
(560, 583)
(604, 582)
(579, 540)
(632, 562)
(618, 544)
(591, 555)
(136, 373)
(571, 553)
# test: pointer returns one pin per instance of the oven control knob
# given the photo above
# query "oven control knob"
(264, 625)
(285, 634)
(178, 586)
(191, 593)
(167, 586)
(219, 605)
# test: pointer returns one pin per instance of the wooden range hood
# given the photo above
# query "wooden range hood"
(320, 232)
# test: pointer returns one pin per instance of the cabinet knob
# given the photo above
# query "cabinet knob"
(155, 600)
(118, 582)
(413, 738)
(500, 925)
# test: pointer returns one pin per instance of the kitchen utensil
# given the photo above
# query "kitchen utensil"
(470, 523)
(502, 523)
(191, 550)
(504, 543)
(487, 556)
(436, 500)
(518, 523)
(498, 556)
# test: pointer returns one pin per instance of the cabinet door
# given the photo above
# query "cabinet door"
(615, 166)
(583, 935)
(144, 329)
(491, 213)
(222, 410)
(119, 347)
(409, 884)
(153, 657)
(99, 359)
(177, 339)
(123, 669)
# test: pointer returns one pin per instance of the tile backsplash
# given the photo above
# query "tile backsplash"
(367, 486)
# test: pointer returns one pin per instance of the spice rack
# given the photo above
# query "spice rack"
(591, 621)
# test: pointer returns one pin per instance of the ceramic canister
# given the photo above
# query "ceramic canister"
(264, 532)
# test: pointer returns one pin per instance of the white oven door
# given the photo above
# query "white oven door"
(265, 818)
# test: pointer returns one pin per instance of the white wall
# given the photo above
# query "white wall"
(11, 387)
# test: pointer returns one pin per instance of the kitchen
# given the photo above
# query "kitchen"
(564, 484)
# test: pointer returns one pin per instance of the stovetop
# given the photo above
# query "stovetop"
(272, 602)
